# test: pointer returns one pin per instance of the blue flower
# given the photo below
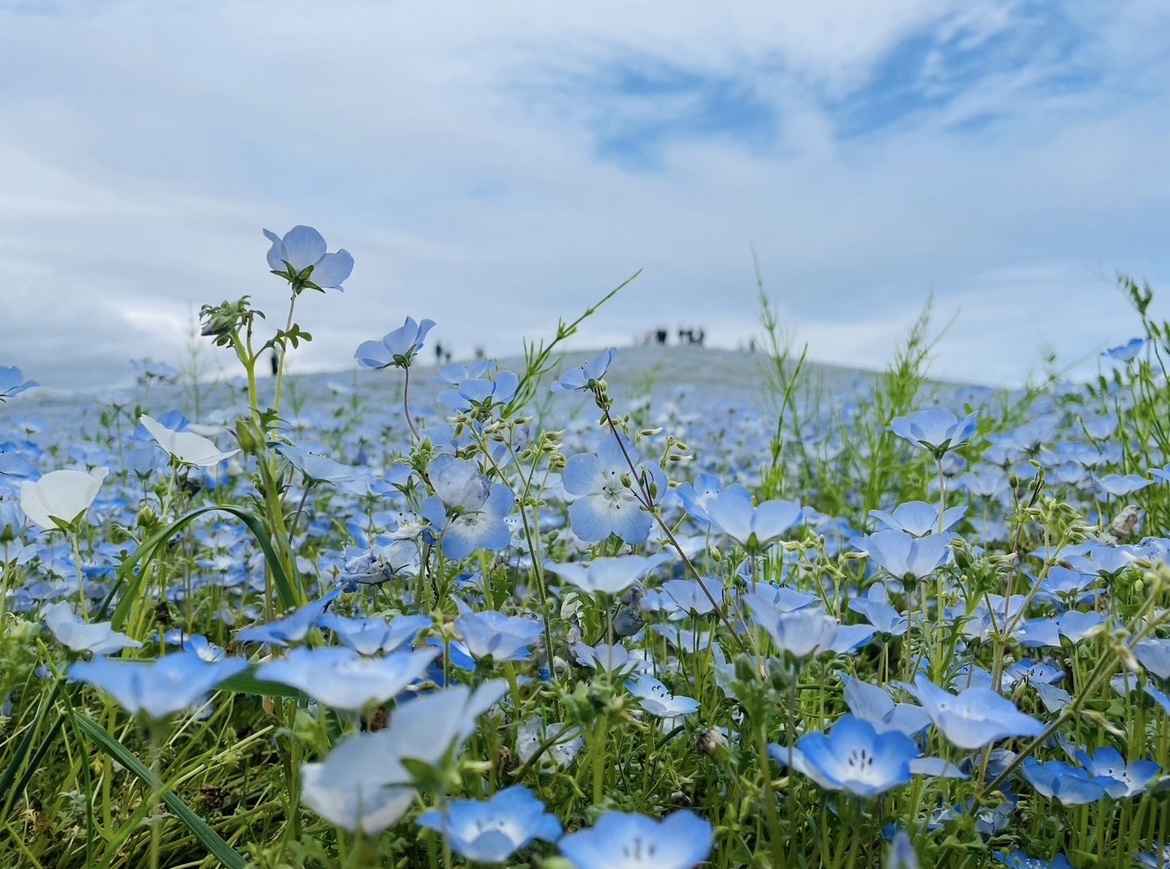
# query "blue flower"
(478, 392)
(1058, 780)
(10, 383)
(753, 528)
(1120, 779)
(904, 556)
(343, 679)
(72, 632)
(396, 348)
(606, 502)
(976, 717)
(466, 508)
(801, 633)
(292, 628)
(584, 376)
(1020, 860)
(936, 430)
(157, 688)
(301, 259)
(607, 575)
(494, 635)
(492, 831)
(627, 841)
(697, 496)
(918, 518)
(853, 757)
(364, 784)
(370, 636)
(657, 699)
(1126, 352)
(875, 705)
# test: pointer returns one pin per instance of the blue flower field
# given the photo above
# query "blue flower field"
(619, 610)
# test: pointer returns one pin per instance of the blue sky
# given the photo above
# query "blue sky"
(496, 166)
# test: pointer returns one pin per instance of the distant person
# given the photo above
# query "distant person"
(275, 362)
(479, 353)
(699, 337)
(660, 335)
(438, 353)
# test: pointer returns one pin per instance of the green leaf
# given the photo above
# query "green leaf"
(132, 580)
(210, 839)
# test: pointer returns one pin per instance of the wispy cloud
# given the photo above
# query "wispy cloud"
(497, 166)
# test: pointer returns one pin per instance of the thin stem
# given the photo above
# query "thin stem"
(406, 405)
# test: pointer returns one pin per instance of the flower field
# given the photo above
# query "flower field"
(573, 613)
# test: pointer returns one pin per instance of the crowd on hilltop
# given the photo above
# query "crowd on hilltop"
(660, 336)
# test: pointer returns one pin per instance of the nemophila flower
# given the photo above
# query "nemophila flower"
(157, 688)
(902, 854)
(689, 595)
(1159, 858)
(607, 575)
(318, 469)
(1020, 860)
(1104, 560)
(100, 638)
(364, 785)
(59, 498)
(918, 518)
(682, 840)
(186, 447)
(466, 509)
(371, 636)
(974, 718)
(698, 495)
(380, 564)
(604, 487)
(481, 392)
(614, 658)
(12, 383)
(492, 634)
(533, 733)
(397, 348)
(1120, 485)
(853, 757)
(875, 705)
(904, 556)
(753, 528)
(343, 679)
(657, 699)
(302, 258)
(1057, 780)
(936, 430)
(292, 628)
(801, 633)
(1119, 778)
(492, 831)
(1126, 352)
(584, 376)
(875, 606)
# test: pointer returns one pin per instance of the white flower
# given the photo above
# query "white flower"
(188, 447)
(60, 497)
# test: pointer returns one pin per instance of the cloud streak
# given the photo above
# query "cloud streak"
(497, 168)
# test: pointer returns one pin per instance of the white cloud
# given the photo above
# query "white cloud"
(147, 144)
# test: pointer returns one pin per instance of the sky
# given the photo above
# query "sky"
(498, 166)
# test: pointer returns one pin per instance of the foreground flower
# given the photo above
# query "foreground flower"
(585, 376)
(627, 841)
(396, 348)
(11, 383)
(491, 634)
(853, 757)
(301, 258)
(364, 785)
(976, 717)
(753, 528)
(466, 508)
(73, 633)
(185, 447)
(157, 688)
(606, 502)
(607, 575)
(936, 430)
(492, 831)
(58, 499)
(343, 679)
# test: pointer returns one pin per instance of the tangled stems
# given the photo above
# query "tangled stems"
(645, 497)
